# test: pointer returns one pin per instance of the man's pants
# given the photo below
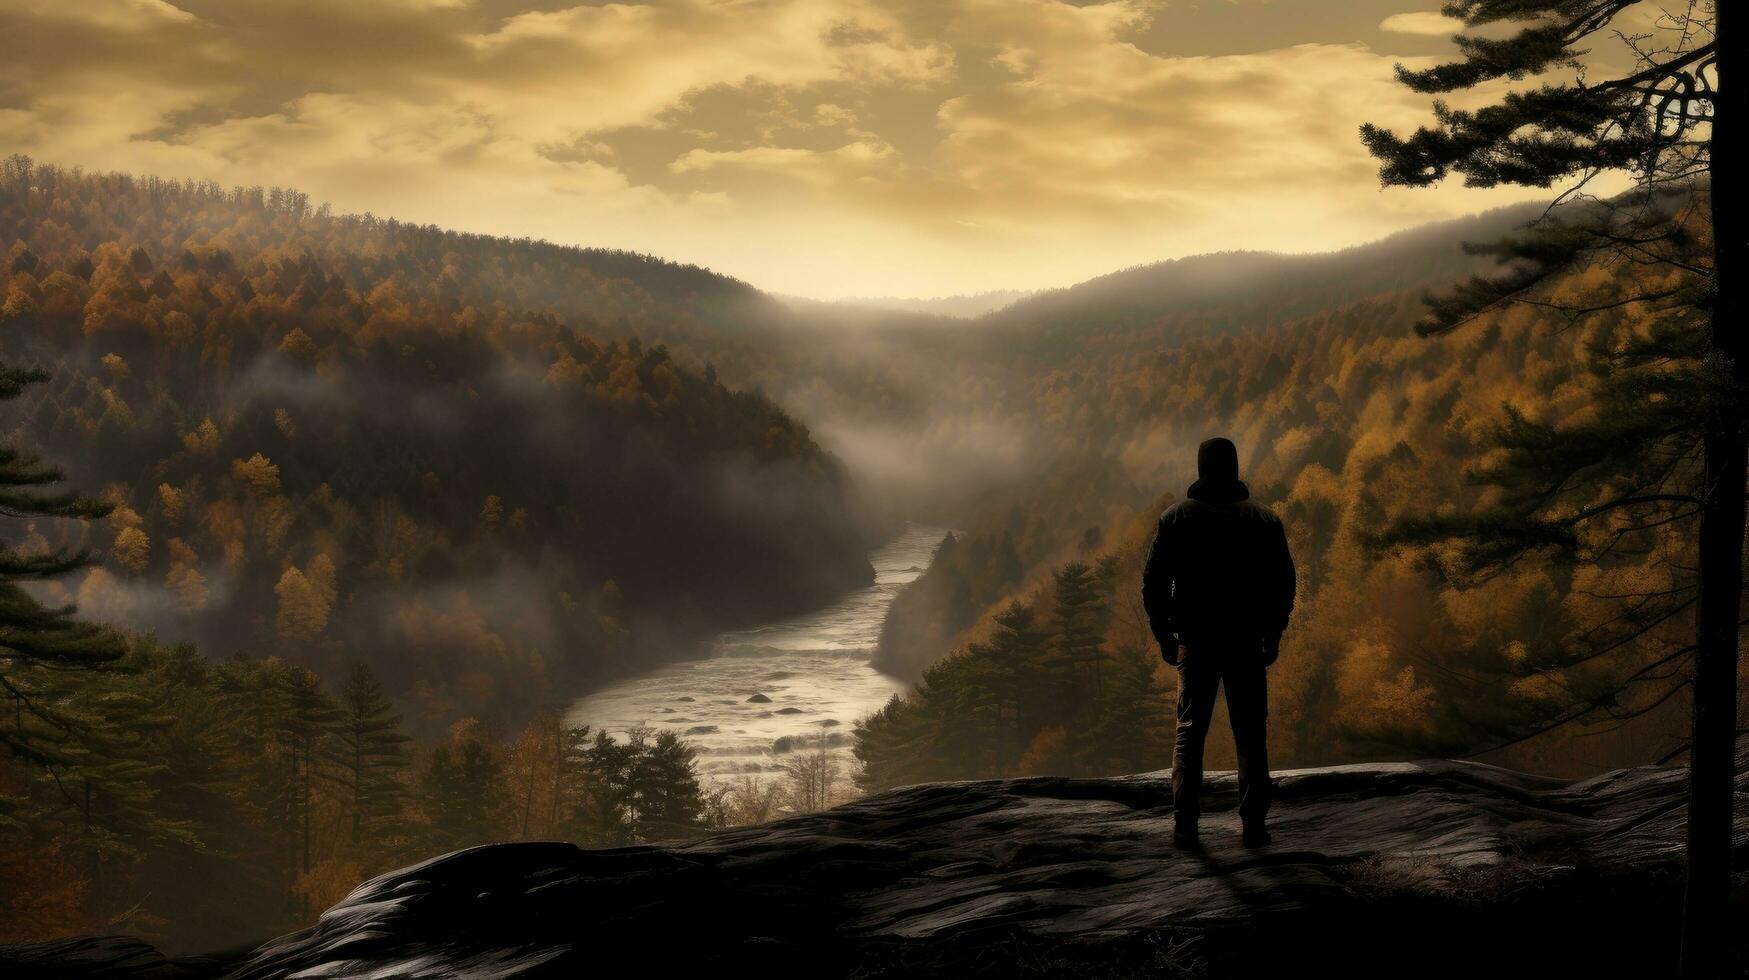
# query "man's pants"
(1201, 672)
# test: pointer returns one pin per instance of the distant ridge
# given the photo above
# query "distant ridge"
(1235, 286)
(964, 306)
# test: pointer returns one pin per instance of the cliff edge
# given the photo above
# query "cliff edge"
(1430, 868)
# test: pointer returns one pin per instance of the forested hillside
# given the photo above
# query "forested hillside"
(1235, 291)
(346, 439)
(387, 495)
(1347, 424)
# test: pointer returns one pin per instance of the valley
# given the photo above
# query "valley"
(593, 546)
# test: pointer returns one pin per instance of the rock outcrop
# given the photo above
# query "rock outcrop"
(1430, 868)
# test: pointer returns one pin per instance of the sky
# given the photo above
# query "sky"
(819, 148)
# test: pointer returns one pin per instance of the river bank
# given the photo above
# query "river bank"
(774, 689)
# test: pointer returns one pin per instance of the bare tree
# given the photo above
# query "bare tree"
(813, 779)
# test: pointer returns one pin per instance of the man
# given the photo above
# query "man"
(1218, 589)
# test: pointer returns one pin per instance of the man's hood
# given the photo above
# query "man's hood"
(1218, 491)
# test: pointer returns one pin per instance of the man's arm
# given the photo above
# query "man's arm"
(1283, 584)
(1157, 578)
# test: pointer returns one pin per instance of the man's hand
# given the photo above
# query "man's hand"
(1271, 648)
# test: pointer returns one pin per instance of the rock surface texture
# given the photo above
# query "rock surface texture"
(1430, 868)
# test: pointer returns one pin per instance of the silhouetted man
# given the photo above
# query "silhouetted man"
(1218, 588)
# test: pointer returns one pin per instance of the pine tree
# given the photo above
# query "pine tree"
(956, 714)
(1670, 444)
(372, 757)
(894, 746)
(41, 647)
(672, 798)
(221, 884)
(575, 790)
(1016, 647)
(463, 790)
(597, 788)
(308, 721)
(71, 728)
(1078, 621)
(111, 773)
(1135, 723)
(636, 783)
(976, 724)
(251, 694)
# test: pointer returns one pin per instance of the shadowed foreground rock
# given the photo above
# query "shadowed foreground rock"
(1432, 868)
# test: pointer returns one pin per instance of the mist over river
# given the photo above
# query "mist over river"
(813, 668)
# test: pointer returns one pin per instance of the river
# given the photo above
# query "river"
(766, 691)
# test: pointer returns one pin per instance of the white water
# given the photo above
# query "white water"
(814, 668)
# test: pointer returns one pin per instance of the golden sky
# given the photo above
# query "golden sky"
(815, 147)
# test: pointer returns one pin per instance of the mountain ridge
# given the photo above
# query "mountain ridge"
(1290, 283)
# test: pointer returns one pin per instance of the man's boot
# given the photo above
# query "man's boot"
(1255, 834)
(1184, 836)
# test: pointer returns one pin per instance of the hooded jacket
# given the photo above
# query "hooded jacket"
(1219, 571)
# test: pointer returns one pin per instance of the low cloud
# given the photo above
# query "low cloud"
(1425, 22)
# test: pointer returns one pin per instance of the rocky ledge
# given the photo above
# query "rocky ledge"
(1429, 868)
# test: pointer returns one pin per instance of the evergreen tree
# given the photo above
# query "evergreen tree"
(1135, 724)
(251, 696)
(977, 729)
(1078, 621)
(110, 774)
(636, 783)
(463, 790)
(597, 784)
(307, 723)
(672, 798)
(955, 710)
(75, 732)
(1670, 443)
(44, 652)
(576, 791)
(894, 746)
(251, 691)
(1015, 649)
(372, 757)
(223, 883)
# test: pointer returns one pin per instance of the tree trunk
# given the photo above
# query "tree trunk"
(304, 796)
(1706, 924)
(357, 784)
(527, 804)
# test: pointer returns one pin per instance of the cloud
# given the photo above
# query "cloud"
(125, 14)
(1424, 22)
(941, 146)
(862, 160)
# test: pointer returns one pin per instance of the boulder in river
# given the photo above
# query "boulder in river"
(1410, 869)
(758, 699)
